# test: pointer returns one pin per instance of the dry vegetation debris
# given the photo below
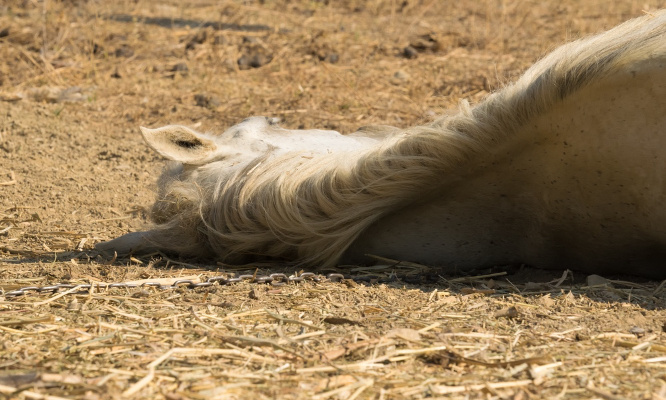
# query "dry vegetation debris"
(337, 340)
(78, 77)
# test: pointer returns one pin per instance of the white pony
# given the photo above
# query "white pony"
(566, 168)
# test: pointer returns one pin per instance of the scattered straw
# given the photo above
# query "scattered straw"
(76, 84)
(441, 389)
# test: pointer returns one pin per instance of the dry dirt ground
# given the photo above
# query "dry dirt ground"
(77, 79)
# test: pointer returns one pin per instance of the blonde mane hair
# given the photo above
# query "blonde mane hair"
(311, 210)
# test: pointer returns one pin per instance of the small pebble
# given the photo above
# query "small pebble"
(596, 280)
(124, 51)
(180, 67)
(206, 101)
(409, 52)
(255, 60)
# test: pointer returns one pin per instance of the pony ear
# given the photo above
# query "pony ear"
(180, 143)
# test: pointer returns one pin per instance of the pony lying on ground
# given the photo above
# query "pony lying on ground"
(566, 168)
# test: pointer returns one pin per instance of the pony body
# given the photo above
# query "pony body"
(563, 169)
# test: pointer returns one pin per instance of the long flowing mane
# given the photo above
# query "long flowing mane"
(311, 210)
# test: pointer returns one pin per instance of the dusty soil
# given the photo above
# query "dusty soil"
(77, 79)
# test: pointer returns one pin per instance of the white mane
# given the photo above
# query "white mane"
(310, 210)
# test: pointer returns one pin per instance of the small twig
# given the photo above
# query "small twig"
(20, 332)
(361, 389)
(184, 351)
(604, 394)
(659, 288)
(565, 274)
(398, 262)
(251, 341)
(477, 277)
(17, 322)
(360, 385)
(293, 321)
(20, 252)
(475, 388)
(111, 219)
(199, 321)
(11, 392)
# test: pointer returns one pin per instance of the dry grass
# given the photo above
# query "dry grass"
(75, 82)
